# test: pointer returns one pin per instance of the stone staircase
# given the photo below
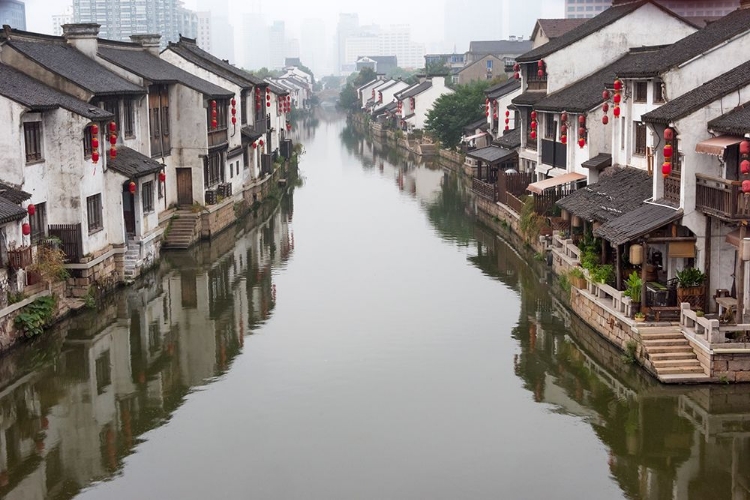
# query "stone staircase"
(670, 354)
(183, 230)
(131, 261)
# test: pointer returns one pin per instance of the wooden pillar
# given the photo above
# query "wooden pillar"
(618, 265)
(739, 277)
(643, 277)
(707, 265)
(603, 258)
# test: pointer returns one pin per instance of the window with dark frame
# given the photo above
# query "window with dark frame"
(103, 368)
(658, 91)
(221, 115)
(550, 130)
(243, 107)
(213, 172)
(87, 149)
(158, 116)
(129, 128)
(640, 138)
(32, 135)
(94, 212)
(113, 106)
(147, 197)
(641, 92)
(38, 223)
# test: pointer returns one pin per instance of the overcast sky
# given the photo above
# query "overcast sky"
(425, 17)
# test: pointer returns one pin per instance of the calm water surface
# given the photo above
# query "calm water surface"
(366, 339)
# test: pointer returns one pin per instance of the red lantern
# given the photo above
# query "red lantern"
(234, 120)
(214, 113)
(234, 102)
(112, 127)
(605, 94)
(540, 73)
(507, 121)
(564, 139)
(113, 139)
(746, 186)
(214, 123)
(31, 209)
(540, 63)
(668, 134)
(516, 67)
(744, 167)
(616, 111)
(668, 151)
(507, 127)
(507, 113)
(581, 119)
(26, 228)
(94, 143)
(162, 176)
(486, 113)
(581, 131)
(533, 115)
(618, 85)
(255, 145)
(268, 104)
(234, 112)
(605, 120)
(533, 125)
(564, 117)
(261, 142)
(94, 129)
(666, 169)
(494, 116)
(605, 107)
(95, 156)
(563, 129)
(516, 75)
(131, 187)
(533, 134)
(617, 98)
(213, 104)
(113, 153)
(581, 142)
(745, 148)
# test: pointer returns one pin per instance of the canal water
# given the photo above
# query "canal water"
(361, 338)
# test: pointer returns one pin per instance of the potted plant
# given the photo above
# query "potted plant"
(633, 288)
(690, 287)
(576, 278)
(639, 317)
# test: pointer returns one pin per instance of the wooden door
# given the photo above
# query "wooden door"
(128, 209)
(184, 186)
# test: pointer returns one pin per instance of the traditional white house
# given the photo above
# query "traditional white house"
(385, 95)
(499, 110)
(365, 92)
(416, 101)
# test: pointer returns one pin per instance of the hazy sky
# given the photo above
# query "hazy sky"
(426, 18)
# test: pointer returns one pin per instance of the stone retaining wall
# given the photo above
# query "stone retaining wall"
(731, 367)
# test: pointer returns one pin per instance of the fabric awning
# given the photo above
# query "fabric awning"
(716, 145)
(476, 136)
(541, 186)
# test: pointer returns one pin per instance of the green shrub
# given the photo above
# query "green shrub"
(633, 287)
(34, 317)
(689, 277)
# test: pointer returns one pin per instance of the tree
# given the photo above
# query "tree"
(452, 112)
(348, 98)
(264, 73)
(404, 74)
(437, 68)
(365, 75)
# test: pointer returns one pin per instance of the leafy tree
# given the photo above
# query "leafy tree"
(452, 112)
(406, 75)
(437, 68)
(264, 73)
(365, 75)
(348, 98)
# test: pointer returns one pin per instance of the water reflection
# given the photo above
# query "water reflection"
(662, 442)
(74, 406)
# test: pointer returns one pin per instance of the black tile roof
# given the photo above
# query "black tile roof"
(510, 139)
(598, 162)
(249, 132)
(9, 211)
(586, 94)
(503, 88)
(693, 45)
(132, 164)
(586, 29)
(736, 122)
(698, 98)
(529, 98)
(471, 127)
(415, 90)
(73, 65)
(189, 50)
(387, 86)
(554, 28)
(156, 70)
(620, 190)
(13, 195)
(491, 154)
(275, 88)
(639, 222)
(37, 96)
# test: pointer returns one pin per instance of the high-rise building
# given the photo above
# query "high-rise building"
(389, 41)
(203, 36)
(684, 8)
(59, 19)
(313, 51)
(276, 45)
(256, 41)
(222, 31)
(121, 18)
(13, 13)
(348, 26)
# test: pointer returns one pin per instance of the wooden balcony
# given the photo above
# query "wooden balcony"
(721, 198)
(217, 137)
(20, 258)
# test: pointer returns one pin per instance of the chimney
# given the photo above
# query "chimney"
(149, 42)
(82, 36)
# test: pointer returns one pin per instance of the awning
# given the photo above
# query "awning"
(476, 136)
(733, 238)
(716, 145)
(491, 154)
(541, 186)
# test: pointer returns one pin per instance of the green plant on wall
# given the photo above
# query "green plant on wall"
(34, 317)
(690, 277)
(604, 273)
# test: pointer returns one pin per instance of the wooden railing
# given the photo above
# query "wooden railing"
(672, 188)
(515, 203)
(216, 137)
(20, 258)
(484, 189)
(72, 240)
(721, 197)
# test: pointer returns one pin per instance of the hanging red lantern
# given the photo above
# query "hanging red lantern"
(112, 127)
(605, 94)
(744, 167)
(494, 116)
(745, 148)
(540, 63)
(255, 145)
(533, 125)
(507, 113)
(605, 120)
(516, 67)
(516, 75)
(533, 115)
(605, 107)
(668, 151)
(533, 134)
(564, 117)
(617, 98)
(234, 120)
(113, 139)
(581, 142)
(234, 111)
(234, 102)
(162, 176)
(486, 113)
(214, 113)
(268, 104)
(214, 123)
(95, 156)
(618, 85)
(261, 142)
(746, 186)
(94, 129)
(31, 209)
(666, 169)
(94, 143)
(563, 129)
(507, 128)
(131, 187)
(581, 119)
(616, 111)
(507, 121)
(26, 228)
(564, 139)
(213, 104)
(540, 73)
(113, 153)
(668, 134)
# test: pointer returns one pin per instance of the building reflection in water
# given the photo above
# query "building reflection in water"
(75, 404)
(663, 442)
